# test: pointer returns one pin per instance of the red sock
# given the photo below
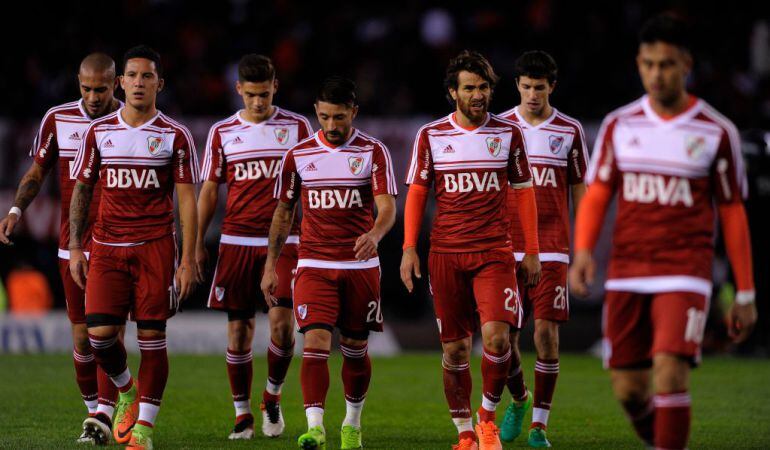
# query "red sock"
(356, 372)
(314, 377)
(108, 393)
(153, 370)
(515, 380)
(110, 354)
(672, 420)
(642, 418)
(546, 373)
(457, 389)
(239, 372)
(494, 373)
(278, 360)
(85, 375)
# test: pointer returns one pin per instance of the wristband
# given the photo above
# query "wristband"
(745, 297)
(15, 210)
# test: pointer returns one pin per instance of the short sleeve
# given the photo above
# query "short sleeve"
(519, 171)
(185, 159)
(727, 171)
(383, 180)
(45, 149)
(213, 168)
(420, 170)
(304, 130)
(577, 163)
(288, 183)
(603, 167)
(88, 159)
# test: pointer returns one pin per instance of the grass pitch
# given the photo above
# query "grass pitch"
(40, 406)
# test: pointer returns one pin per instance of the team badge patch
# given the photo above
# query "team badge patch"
(219, 292)
(281, 135)
(555, 143)
(356, 163)
(494, 144)
(695, 145)
(153, 144)
(302, 311)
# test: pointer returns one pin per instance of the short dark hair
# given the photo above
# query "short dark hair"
(469, 61)
(255, 68)
(143, 51)
(536, 64)
(337, 90)
(666, 28)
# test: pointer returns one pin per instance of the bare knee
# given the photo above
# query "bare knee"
(319, 338)
(631, 386)
(281, 326)
(240, 334)
(547, 339)
(80, 338)
(457, 352)
(670, 373)
(496, 336)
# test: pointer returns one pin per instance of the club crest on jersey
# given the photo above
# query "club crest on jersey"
(302, 311)
(555, 143)
(494, 144)
(695, 145)
(153, 144)
(219, 292)
(281, 135)
(356, 163)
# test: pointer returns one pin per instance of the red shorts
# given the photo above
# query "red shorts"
(348, 299)
(137, 279)
(548, 299)
(472, 287)
(239, 273)
(74, 296)
(638, 326)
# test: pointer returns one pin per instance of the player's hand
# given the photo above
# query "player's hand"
(410, 263)
(201, 257)
(532, 269)
(6, 228)
(185, 279)
(741, 320)
(78, 267)
(581, 273)
(366, 246)
(269, 284)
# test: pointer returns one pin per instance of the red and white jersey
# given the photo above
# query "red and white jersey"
(337, 186)
(248, 156)
(556, 149)
(58, 140)
(668, 173)
(137, 168)
(470, 171)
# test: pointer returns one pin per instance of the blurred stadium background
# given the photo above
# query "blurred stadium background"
(397, 55)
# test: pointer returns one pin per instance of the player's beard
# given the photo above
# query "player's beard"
(476, 117)
(337, 137)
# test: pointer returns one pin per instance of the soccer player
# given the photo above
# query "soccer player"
(470, 157)
(57, 141)
(556, 151)
(672, 159)
(138, 155)
(340, 173)
(245, 150)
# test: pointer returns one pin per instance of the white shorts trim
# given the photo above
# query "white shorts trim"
(65, 254)
(121, 244)
(252, 241)
(323, 264)
(546, 257)
(662, 283)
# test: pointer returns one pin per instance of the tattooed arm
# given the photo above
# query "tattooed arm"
(28, 189)
(79, 206)
(279, 231)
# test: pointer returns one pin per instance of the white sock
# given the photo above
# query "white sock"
(315, 417)
(353, 413)
(488, 404)
(540, 415)
(272, 388)
(105, 409)
(242, 407)
(463, 424)
(148, 412)
(91, 405)
(122, 379)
